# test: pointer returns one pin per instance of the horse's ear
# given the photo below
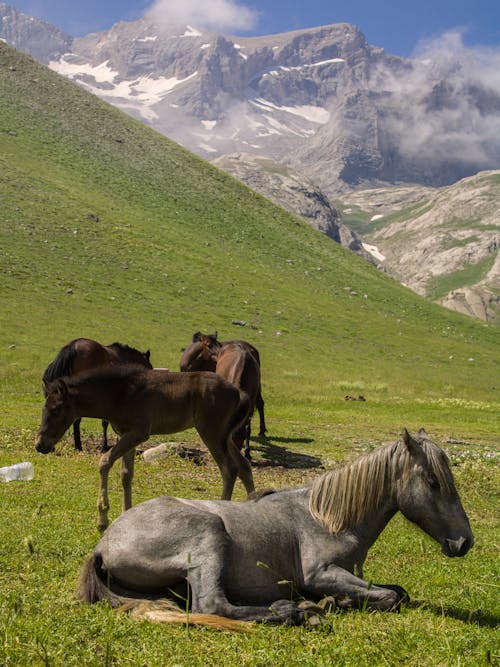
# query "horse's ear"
(422, 433)
(148, 354)
(212, 338)
(197, 336)
(411, 444)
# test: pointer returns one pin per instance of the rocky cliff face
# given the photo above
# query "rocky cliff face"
(442, 242)
(41, 40)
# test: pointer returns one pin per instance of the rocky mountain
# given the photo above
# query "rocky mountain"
(442, 242)
(319, 114)
(41, 40)
(321, 100)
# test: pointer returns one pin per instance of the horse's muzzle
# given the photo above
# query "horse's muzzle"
(43, 446)
(458, 547)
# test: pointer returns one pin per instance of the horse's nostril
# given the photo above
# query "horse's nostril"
(459, 547)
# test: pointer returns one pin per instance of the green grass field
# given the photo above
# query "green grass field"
(111, 231)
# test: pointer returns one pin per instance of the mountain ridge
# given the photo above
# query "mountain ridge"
(321, 102)
(320, 99)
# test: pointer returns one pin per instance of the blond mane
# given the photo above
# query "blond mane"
(342, 497)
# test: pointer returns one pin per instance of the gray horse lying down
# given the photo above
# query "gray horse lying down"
(253, 561)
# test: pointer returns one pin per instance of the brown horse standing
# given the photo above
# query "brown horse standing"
(234, 360)
(140, 402)
(83, 354)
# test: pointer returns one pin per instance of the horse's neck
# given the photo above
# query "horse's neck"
(353, 502)
(369, 527)
(93, 399)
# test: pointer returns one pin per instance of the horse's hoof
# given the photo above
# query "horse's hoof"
(287, 612)
(328, 604)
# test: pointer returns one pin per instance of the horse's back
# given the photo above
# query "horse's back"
(238, 365)
(244, 345)
(177, 401)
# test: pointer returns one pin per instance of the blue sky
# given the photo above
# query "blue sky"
(399, 26)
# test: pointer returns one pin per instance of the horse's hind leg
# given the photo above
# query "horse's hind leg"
(243, 467)
(259, 403)
(227, 467)
(206, 576)
(76, 434)
(127, 475)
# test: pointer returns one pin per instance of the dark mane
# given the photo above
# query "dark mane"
(61, 364)
(122, 346)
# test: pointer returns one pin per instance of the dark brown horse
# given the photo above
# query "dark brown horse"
(83, 354)
(236, 361)
(138, 403)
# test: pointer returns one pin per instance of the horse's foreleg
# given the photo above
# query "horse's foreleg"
(126, 443)
(103, 499)
(248, 431)
(104, 445)
(127, 475)
(350, 591)
(76, 434)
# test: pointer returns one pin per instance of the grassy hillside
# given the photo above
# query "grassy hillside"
(111, 231)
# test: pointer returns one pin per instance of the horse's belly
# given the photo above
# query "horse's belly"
(247, 590)
(146, 578)
(259, 573)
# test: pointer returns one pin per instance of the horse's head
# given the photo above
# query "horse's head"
(199, 337)
(57, 416)
(201, 354)
(426, 494)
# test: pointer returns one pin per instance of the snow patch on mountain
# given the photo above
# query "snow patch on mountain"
(311, 113)
(141, 94)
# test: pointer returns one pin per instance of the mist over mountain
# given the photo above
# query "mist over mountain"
(322, 100)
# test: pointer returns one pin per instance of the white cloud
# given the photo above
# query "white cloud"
(218, 15)
(446, 107)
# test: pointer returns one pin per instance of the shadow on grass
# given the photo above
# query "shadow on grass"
(474, 617)
(277, 455)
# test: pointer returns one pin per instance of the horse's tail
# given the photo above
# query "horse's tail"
(240, 417)
(92, 587)
(62, 364)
